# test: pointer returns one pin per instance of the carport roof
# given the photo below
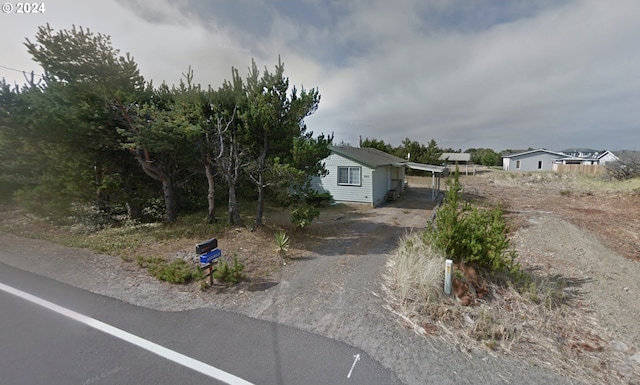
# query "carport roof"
(426, 167)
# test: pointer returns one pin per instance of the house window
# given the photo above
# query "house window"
(539, 165)
(517, 164)
(349, 176)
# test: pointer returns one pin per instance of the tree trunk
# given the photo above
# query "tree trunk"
(134, 211)
(260, 208)
(211, 218)
(156, 172)
(169, 200)
(234, 213)
(262, 160)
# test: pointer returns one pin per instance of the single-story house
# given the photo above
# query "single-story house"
(586, 156)
(533, 160)
(366, 175)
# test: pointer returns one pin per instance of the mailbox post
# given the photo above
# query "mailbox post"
(209, 254)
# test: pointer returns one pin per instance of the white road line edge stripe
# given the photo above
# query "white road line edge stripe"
(154, 348)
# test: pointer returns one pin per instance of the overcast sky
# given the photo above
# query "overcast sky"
(502, 74)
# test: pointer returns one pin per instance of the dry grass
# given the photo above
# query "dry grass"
(570, 182)
(539, 323)
(413, 278)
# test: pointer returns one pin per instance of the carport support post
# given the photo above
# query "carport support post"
(433, 185)
(448, 272)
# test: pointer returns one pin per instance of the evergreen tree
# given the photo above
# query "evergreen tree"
(274, 118)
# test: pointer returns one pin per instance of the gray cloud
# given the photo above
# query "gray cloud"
(500, 74)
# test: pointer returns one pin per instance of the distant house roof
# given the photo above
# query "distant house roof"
(368, 156)
(571, 151)
(456, 156)
(534, 151)
(607, 153)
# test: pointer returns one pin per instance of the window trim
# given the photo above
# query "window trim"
(350, 183)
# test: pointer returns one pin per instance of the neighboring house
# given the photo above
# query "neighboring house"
(587, 163)
(533, 160)
(365, 175)
(581, 153)
(607, 157)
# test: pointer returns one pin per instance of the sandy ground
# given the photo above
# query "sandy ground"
(334, 290)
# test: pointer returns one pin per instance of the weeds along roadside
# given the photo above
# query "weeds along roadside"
(520, 314)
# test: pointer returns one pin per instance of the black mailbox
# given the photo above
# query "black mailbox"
(206, 246)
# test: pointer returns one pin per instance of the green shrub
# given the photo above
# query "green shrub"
(302, 217)
(319, 199)
(471, 235)
(230, 274)
(177, 271)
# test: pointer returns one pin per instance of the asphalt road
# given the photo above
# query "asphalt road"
(42, 346)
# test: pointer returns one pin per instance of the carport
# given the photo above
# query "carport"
(436, 174)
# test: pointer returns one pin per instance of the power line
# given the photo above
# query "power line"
(21, 71)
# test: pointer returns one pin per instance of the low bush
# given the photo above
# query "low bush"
(472, 235)
(177, 271)
(229, 274)
(303, 216)
(319, 199)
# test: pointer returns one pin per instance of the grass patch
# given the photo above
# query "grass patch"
(177, 271)
(414, 275)
(132, 238)
(576, 183)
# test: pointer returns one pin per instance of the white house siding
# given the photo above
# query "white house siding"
(529, 162)
(607, 157)
(381, 179)
(345, 193)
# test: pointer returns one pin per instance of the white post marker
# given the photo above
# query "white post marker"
(154, 348)
(448, 272)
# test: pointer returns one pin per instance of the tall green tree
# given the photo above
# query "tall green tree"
(377, 144)
(83, 75)
(485, 156)
(274, 118)
(161, 135)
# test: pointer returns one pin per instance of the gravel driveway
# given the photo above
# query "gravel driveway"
(334, 292)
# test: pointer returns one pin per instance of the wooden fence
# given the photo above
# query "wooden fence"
(587, 169)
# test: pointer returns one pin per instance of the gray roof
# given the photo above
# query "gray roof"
(579, 150)
(373, 158)
(456, 156)
(368, 156)
(559, 154)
